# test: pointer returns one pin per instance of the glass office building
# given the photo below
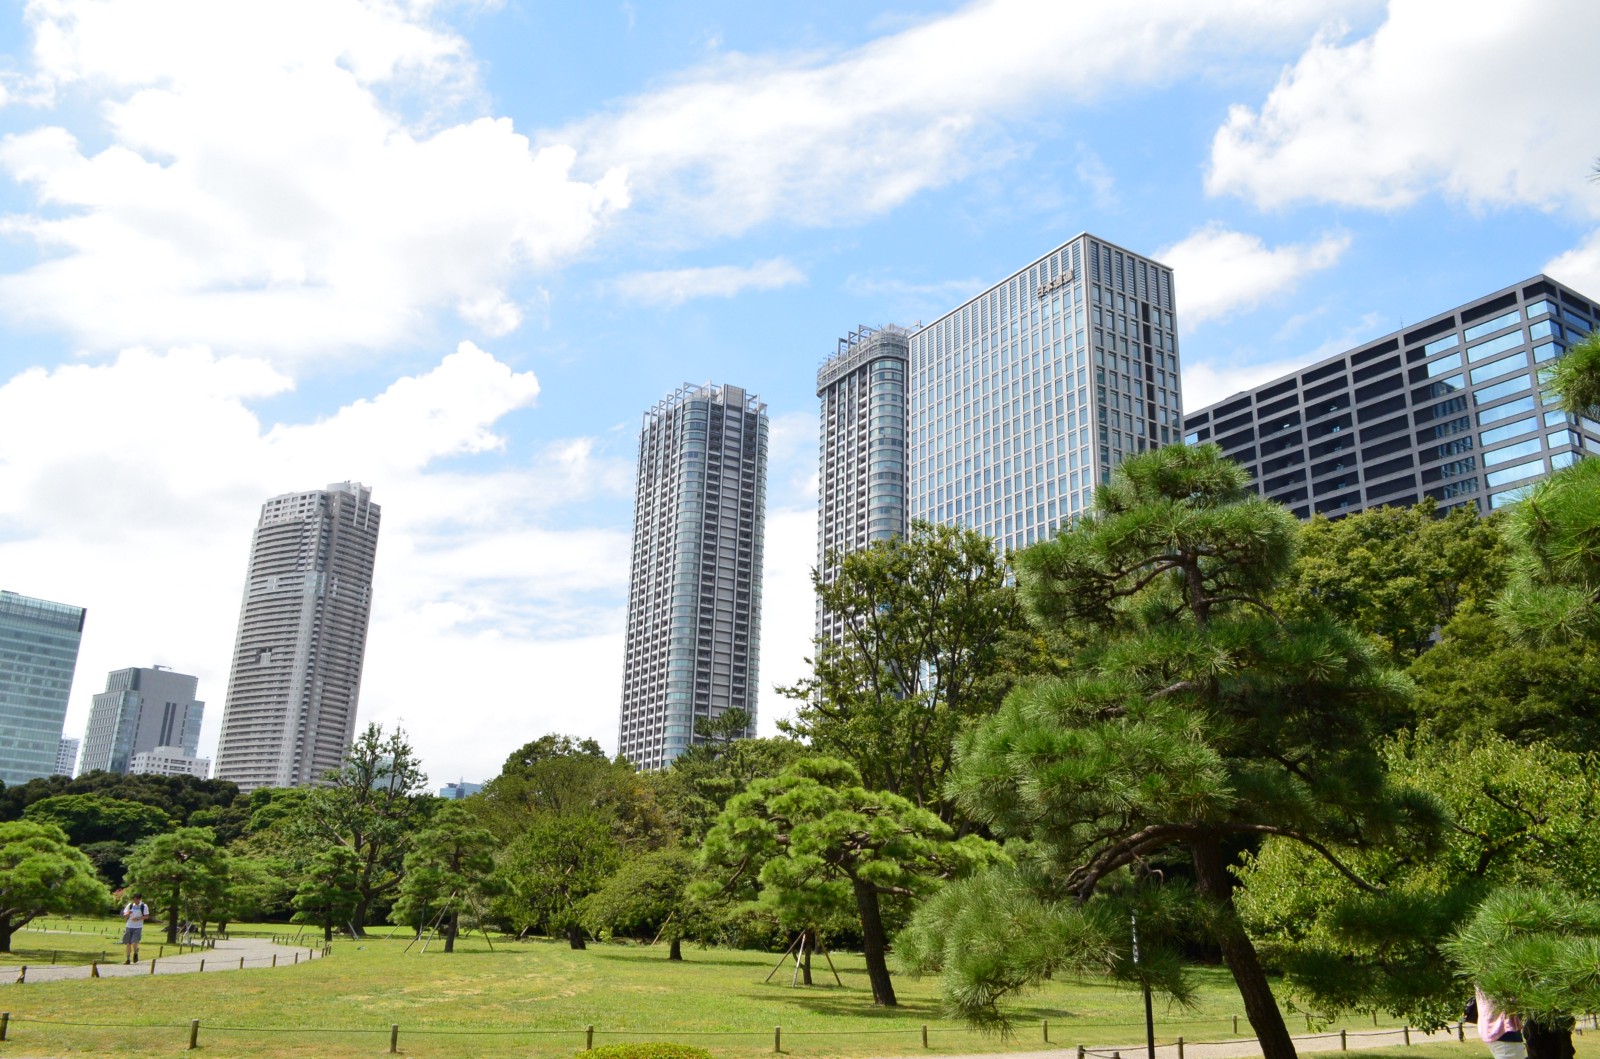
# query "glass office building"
(1450, 408)
(861, 481)
(694, 592)
(140, 710)
(1024, 397)
(38, 653)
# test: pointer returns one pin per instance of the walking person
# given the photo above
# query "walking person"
(133, 916)
(1500, 1030)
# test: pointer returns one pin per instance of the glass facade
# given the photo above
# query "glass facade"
(1026, 396)
(38, 653)
(694, 598)
(1450, 409)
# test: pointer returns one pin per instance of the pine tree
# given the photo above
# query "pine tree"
(1194, 720)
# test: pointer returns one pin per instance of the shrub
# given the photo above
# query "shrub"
(646, 1050)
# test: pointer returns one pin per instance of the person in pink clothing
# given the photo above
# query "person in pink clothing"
(1500, 1030)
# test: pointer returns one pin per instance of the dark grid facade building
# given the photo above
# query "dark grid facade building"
(290, 713)
(1022, 398)
(38, 654)
(861, 484)
(1450, 408)
(694, 593)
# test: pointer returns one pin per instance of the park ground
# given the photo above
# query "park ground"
(538, 998)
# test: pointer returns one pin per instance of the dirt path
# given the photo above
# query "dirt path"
(255, 952)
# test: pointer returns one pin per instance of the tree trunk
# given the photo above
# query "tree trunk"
(450, 930)
(172, 916)
(6, 927)
(358, 918)
(1216, 886)
(1545, 1041)
(575, 936)
(327, 930)
(675, 949)
(808, 944)
(875, 944)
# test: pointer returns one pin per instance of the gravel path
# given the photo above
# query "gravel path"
(255, 952)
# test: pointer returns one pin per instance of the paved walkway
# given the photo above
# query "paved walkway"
(255, 952)
(1240, 1049)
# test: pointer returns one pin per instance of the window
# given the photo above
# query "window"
(1491, 326)
(1490, 394)
(1499, 367)
(1499, 412)
(1510, 430)
(1512, 474)
(1484, 350)
(1439, 345)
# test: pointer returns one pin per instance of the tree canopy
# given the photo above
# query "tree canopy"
(41, 873)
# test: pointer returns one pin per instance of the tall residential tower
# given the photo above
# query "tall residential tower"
(291, 707)
(140, 710)
(861, 492)
(1025, 396)
(38, 653)
(694, 596)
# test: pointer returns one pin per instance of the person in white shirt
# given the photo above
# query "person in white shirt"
(133, 916)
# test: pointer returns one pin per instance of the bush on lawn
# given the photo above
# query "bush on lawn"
(646, 1050)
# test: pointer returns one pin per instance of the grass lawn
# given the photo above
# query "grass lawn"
(536, 998)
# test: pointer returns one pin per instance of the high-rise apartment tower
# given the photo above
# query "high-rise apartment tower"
(38, 653)
(1449, 408)
(67, 757)
(861, 492)
(140, 710)
(694, 595)
(291, 707)
(1022, 398)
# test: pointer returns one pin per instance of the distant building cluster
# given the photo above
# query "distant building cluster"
(290, 712)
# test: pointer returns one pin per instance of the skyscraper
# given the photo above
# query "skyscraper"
(861, 491)
(67, 757)
(38, 653)
(290, 713)
(140, 710)
(1025, 396)
(694, 595)
(1450, 408)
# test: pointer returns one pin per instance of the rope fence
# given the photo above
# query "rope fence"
(194, 1027)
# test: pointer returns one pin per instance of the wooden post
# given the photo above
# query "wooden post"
(1344, 1044)
(588, 1039)
(5, 1023)
(777, 1038)
(202, 965)
(394, 1037)
(241, 963)
(274, 959)
(297, 958)
(1080, 1051)
(161, 950)
(52, 957)
(22, 975)
(1047, 1031)
(194, 1034)
(924, 1034)
(1236, 1025)
(94, 968)
(1407, 1031)
(1180, 1048)
(1374, 1017)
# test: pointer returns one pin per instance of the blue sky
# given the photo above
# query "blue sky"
(454, 250)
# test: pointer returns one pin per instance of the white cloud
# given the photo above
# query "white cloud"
(496, 615)
(676, 286)
(1217, 271)
(285, 178)
(1487, 103)
(1580, 266)
(1206, 382)
(815, 139)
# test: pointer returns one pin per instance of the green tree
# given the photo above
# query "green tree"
(258, 888)
(449, 870)
(559, 776)
(373, 805)
(547, 870)
(1536, 951)
(326, 896)
(645, 898)
(927, 620)
(1397, 574)
(1481, 682)
(1194, 719)
(816, 840)
(184, 869)
(94, 818)
(1518, 816)
(41, 874)
(177, 796)
(696, 788)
